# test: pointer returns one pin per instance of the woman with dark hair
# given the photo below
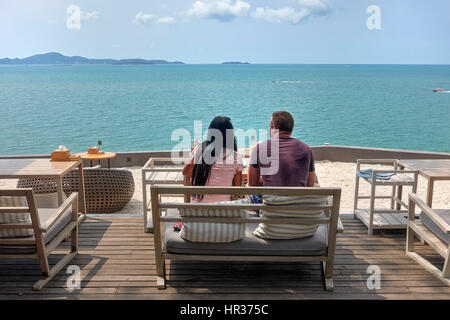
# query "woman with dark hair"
(215, 162)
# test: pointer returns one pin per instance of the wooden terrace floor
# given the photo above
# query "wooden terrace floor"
(117, 262)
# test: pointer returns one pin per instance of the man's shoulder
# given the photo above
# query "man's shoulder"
(303, 144)
(289, 140)
(299, 143)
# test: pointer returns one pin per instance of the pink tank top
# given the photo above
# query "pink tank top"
(221, 175)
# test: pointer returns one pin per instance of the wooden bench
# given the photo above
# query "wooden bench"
(261, 250)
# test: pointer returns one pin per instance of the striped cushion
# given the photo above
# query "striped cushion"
(214, 232)
(7, 217)
(289, 231)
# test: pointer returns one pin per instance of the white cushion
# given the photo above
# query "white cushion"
(13, 217)
(93, 168)
(289, 231)
(48, 200)
(214, 232)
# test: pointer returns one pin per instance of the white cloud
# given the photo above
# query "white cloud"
(147, 18)
(144, 18)
(89, 15)
(307, 8)
(166, 20)
(223, 10)
(284, 15)
(319, 7)
(227, 10)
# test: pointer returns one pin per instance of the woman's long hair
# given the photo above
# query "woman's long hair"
(219, 127)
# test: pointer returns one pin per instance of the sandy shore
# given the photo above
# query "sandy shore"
(330, 174)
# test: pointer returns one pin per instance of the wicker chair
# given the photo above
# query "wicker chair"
(107, 190)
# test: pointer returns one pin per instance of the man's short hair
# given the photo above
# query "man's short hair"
(283, 121)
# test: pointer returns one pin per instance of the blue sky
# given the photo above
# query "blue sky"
(213, 31)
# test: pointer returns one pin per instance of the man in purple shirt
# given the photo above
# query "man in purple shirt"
(282, 161)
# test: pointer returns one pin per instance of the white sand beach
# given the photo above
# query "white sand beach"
(330, 174)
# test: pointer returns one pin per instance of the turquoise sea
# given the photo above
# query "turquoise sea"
(136, 108)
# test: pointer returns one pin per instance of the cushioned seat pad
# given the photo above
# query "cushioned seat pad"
(44, 215)
(433, 227)
(315, 245)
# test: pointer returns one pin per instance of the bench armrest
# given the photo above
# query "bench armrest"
(414, 174)
(149, 165)
(444, 226)
(394, 171)
(377, 161)
(70, 201)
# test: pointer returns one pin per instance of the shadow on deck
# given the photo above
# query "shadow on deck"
(116, 259)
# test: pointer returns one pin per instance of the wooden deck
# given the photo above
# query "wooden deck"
(117, 262)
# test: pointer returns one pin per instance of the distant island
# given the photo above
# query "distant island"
(235, 62)
(59, 59)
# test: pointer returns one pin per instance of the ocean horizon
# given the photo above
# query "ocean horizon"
(138, 107)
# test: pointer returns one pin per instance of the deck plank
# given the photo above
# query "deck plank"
(116, 259)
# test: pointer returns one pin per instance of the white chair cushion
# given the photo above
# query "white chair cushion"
(289, 231)
(49, 200)
(13, 217)
(214, 232)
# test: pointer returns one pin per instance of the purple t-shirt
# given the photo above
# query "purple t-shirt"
(290, 168)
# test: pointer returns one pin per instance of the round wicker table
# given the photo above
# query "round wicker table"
(98, 156)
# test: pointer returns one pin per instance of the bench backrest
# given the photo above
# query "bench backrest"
(331, 208)
(29, 208)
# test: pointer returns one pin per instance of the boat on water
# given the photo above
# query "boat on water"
(438, 90)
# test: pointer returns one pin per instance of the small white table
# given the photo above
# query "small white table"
(384, 218)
